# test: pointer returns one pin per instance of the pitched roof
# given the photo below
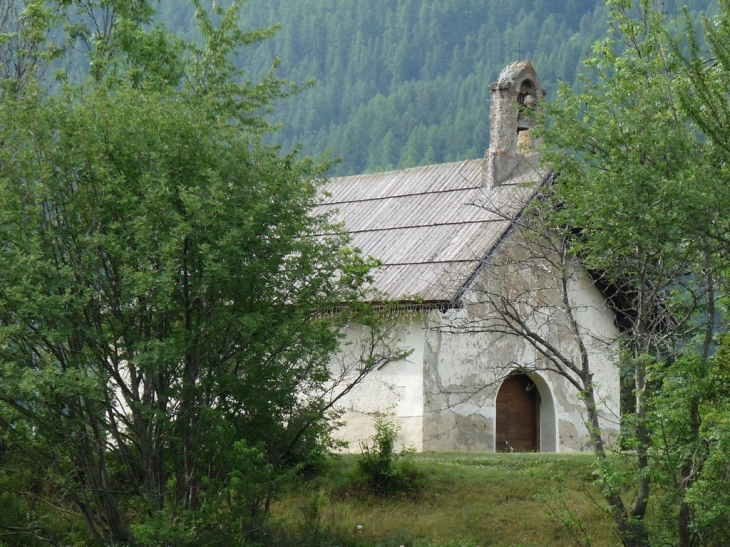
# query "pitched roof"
(431, 227)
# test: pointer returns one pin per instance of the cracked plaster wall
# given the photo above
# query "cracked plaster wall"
(443, 395)
(463, 371)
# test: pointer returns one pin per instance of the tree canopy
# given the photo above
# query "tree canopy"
(643, 191)
(165, 292)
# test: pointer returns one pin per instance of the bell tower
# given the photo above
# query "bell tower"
(517, 91)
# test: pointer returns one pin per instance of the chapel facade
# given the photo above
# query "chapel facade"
(448, 235)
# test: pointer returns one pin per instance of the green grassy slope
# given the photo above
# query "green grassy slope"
(495, 500)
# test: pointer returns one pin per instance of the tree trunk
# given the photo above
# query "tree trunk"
(631, 528)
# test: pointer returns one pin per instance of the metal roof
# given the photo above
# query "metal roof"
(431, 226)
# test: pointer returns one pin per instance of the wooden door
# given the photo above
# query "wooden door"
(518, 415)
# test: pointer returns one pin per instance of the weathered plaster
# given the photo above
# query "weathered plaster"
(508, 147)
(395, 389)
(444, 394)
(512, 268)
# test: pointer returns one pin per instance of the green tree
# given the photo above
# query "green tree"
(706, 100)
(637, 181)
(165, 296)
(25, 53)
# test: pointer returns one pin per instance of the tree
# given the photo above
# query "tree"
(166, 294)
(535, 291)
(638, 186)
(705, 100)
(24, 51)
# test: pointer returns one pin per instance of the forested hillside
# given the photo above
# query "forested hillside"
(404, 82)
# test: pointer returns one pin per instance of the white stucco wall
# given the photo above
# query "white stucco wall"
(443, 395)
(466, 360)
(600, 335)
(395, 389)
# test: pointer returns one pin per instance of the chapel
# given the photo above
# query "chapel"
(445, 234)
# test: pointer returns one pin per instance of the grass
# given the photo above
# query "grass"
(496, 500)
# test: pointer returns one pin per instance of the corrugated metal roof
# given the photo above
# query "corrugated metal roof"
(429, 226)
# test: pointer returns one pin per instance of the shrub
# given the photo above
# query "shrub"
(385, 471)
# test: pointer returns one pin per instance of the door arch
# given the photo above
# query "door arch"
(518, 415)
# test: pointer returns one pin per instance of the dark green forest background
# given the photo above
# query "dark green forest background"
(401, 83)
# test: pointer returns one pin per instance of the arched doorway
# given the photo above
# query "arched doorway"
(518, 415)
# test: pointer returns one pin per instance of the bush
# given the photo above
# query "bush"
(385, 471)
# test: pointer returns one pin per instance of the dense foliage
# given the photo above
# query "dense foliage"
(164, 335)
(643, 160)
(404, 83)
